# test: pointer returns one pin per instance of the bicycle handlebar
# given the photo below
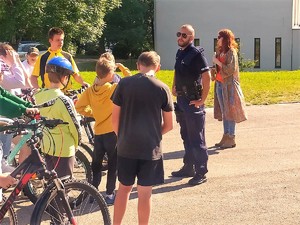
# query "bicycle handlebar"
(18, 126)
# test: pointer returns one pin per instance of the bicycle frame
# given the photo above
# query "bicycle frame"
(18, 146)
(86, 123)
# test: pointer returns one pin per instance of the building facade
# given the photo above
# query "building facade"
(268, 30)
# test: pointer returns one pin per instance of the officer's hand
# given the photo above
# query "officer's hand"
(197, 103)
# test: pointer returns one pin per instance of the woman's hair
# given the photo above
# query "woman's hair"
(4, 48)
(228, 41)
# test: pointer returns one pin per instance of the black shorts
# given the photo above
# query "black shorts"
(64, 167)
(148, 172)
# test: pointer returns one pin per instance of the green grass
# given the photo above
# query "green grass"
(259, 88)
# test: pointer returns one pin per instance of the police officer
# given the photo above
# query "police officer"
(191, 86)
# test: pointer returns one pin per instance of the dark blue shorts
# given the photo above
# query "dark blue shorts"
(148, 172)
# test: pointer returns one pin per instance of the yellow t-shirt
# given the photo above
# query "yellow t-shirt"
(39, 69)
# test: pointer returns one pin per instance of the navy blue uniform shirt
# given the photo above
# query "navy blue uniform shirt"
(190, 64)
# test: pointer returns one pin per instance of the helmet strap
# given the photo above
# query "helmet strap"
(66, 85)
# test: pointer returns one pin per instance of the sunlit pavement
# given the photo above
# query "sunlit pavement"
(256, 182)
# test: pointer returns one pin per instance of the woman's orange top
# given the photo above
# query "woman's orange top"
(218, 76)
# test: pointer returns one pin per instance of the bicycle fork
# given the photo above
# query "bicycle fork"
(63, 200)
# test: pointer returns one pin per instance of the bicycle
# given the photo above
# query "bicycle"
(60, 203)
(34, 187)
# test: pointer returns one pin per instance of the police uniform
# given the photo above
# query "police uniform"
(190, 64)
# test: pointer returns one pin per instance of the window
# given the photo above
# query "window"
(257, 52)
(238, 41)
(277, 52)
(215, 44)
(197, 42)
(296, 14)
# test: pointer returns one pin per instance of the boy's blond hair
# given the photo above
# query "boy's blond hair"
(149, 59)
(104, 67)
(108, 56)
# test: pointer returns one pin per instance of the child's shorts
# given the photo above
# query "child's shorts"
(64, 167)
(148, 172)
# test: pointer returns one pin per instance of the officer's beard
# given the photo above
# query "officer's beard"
(184, 44)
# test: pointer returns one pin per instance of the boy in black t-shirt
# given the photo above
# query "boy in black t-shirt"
(142, 113)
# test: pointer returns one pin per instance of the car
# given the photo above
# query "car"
(24, 47)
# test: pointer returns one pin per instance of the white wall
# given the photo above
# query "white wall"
(264, 19)
(296, 50)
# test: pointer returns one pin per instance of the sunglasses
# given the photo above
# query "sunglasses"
(184, 35)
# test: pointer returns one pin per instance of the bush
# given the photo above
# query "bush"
(245, 63)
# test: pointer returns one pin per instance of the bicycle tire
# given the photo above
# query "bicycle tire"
(89, 152)
(79, 195)
(82, 162)
(82, 171)
(86, 150)
(10, 217)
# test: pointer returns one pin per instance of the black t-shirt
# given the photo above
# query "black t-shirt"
(142, 99)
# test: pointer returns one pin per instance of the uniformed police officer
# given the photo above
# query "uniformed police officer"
(191, 86)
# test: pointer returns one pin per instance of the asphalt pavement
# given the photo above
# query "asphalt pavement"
(257, 182)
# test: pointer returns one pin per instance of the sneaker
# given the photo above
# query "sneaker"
(110, 199)
(197, 179)
(184, 172)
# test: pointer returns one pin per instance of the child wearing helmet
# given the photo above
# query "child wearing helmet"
(60, 148)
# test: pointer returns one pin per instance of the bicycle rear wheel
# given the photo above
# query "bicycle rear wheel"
(87, 204)
(10, 217)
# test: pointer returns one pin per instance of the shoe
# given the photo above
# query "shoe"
(229, 142)
(185, 171)
(197, 179)
(224, 138)
(110, 199)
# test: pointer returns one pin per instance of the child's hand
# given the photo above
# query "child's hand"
(118, 65)
(32, 111)
(6, 181)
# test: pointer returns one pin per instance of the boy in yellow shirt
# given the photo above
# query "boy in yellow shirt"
(95, 102)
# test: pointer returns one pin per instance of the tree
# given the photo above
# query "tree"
(19, 19)
(129, 29)
(82, 20)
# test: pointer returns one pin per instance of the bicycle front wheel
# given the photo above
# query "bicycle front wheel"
(10, 217)
(87, 204)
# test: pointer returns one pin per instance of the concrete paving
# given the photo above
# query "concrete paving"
(256, 182)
